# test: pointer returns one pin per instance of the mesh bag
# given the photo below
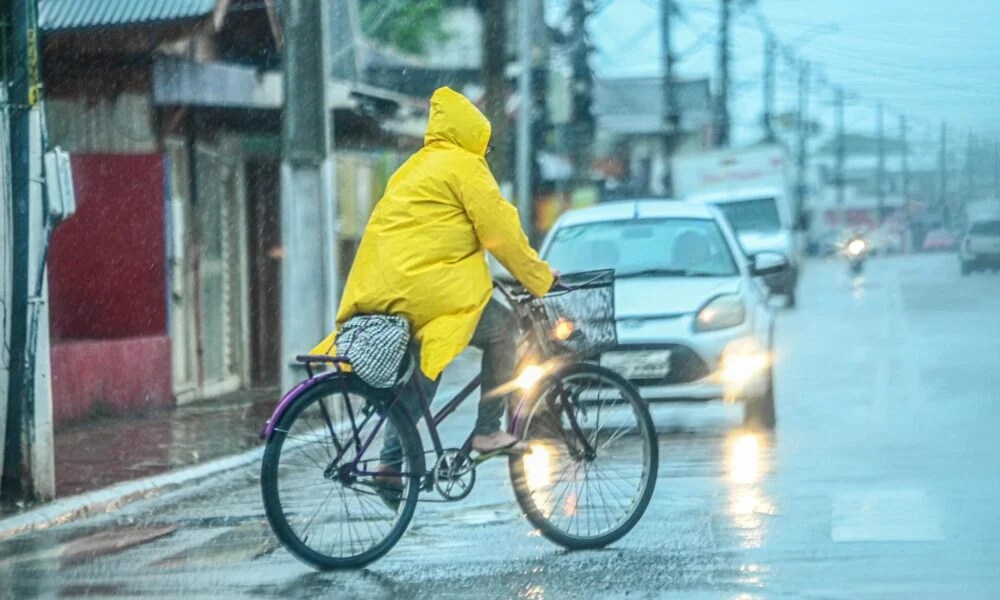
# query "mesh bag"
(375, 346)
(590, 306)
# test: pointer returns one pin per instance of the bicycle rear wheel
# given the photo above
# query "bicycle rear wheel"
(592, 467)
(318, 480)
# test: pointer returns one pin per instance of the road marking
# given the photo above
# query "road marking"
(891, 515)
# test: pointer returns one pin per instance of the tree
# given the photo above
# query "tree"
(407, 25)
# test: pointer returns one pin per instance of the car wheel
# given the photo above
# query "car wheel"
(758, 413)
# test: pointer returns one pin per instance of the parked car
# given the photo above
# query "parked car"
(939, 239)
(980, 247)
(693, 319)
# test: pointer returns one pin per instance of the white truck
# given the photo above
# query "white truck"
(752, 186)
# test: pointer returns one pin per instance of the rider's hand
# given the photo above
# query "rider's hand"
(557, 284)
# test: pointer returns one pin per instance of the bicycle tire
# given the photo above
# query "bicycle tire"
(530, 426)
(278, 514)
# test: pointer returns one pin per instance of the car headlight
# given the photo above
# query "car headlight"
(720, 313)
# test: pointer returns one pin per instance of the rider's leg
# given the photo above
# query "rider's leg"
(496, 335)
(392, 451)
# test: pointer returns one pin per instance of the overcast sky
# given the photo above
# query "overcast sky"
(928, 59)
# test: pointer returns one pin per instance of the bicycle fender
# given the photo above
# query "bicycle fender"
(289, 398)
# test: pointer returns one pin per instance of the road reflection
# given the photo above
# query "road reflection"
(748, 457)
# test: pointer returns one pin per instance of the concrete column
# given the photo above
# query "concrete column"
(309, 294)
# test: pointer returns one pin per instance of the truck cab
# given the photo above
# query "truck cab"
(763, 220)
(752, 187)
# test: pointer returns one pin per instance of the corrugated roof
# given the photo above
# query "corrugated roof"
(56, 15)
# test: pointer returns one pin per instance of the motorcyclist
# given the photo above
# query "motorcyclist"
(423, 257)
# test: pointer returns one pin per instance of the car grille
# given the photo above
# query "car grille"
(685, 365)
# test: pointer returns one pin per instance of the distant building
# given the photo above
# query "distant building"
(860, 208)
(630, 115)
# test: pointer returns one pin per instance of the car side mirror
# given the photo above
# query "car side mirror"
(768, 263)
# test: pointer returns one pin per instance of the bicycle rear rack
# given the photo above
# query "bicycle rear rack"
(311, 359)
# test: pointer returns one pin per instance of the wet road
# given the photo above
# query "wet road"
(880, 482)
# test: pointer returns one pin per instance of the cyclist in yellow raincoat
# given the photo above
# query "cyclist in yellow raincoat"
(423, 257)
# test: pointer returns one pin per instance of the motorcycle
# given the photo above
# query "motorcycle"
(856, 250)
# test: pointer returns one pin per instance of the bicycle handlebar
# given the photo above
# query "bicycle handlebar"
(518, 293)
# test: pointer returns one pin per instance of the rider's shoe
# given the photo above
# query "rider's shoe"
(498, 442)
(389, 486)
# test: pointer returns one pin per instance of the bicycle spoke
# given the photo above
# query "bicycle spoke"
(588, 495)
(331, 444)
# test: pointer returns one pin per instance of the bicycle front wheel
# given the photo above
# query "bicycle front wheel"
(592, 467)
(322, 492)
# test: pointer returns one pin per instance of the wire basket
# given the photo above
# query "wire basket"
(589, 306)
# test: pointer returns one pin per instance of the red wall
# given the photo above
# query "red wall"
(109, 377)
(107, 263)
(107, 291)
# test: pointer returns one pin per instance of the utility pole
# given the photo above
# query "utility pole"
(671, 116)
(582, 88)
(722, 100)
(841, 152)
(803, 138)
(880, 175)
(308, 205)
(524, 119)
(970, 177)
(768, 87)
(904, 159)
(943, 169)
(996, 169)
(494, 14)
(23, 62)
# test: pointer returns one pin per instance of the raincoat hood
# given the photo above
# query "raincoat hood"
(456, 120)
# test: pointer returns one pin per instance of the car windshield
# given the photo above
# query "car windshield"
(986, 228)
(665, 247)
(759, 214)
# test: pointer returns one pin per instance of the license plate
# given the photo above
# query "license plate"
(638, 365)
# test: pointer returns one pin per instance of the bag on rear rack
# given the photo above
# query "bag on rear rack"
(375, 346)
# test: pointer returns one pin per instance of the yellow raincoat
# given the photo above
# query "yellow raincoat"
(423, 253)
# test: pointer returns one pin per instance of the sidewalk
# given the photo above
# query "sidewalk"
(94, 460)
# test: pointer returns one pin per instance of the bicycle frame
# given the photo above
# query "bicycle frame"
(537, 341)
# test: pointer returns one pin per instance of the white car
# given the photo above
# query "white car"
(980, 248)
(693, 320)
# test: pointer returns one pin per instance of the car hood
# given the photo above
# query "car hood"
(644, 297)
(760, 241)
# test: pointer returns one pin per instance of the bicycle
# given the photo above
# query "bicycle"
(585, 482)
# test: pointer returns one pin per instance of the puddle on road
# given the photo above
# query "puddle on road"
(241, 544)
(35, 566)
(483, 515)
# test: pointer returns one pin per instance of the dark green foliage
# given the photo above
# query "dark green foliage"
(407, 25)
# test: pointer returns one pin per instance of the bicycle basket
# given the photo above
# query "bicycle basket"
(589, 306)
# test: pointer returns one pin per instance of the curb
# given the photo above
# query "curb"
(118, 495)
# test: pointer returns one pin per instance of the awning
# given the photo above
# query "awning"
(62, 15)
